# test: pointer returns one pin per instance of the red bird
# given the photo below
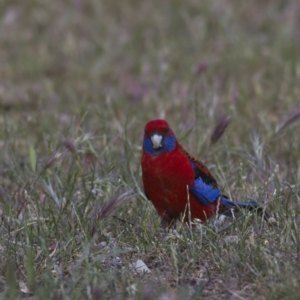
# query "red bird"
(177, 184)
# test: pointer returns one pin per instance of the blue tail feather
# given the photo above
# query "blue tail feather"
(250, 205)
(231, 204)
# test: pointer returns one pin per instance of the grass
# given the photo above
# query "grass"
(79, 80)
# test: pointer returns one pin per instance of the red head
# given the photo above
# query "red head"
(158, 137)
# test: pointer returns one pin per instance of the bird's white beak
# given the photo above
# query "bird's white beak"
(156, 141)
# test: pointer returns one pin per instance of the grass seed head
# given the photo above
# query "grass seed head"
(219, 129)
(69, 145)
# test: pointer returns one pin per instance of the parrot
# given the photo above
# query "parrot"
(179, 186)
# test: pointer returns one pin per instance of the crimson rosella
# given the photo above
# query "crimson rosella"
(177, 184)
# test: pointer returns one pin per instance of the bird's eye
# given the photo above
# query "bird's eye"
(167, 129)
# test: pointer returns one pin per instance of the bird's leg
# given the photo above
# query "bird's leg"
(167, 222)
(164, 224)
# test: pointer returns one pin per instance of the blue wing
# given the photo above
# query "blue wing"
(205, 186)
(204, 192)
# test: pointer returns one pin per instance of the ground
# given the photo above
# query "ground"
(80, 79)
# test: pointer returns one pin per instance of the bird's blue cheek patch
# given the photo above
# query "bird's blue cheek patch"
(169, 142)
(168, 145)
(148, 146)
